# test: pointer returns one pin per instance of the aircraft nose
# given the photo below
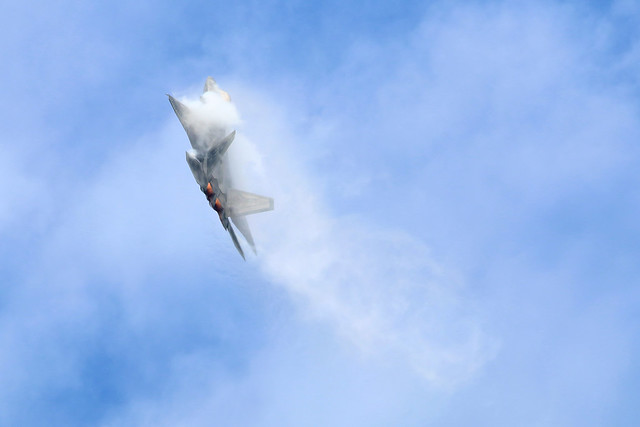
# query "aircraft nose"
(210, 84)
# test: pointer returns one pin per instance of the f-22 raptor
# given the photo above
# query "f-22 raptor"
(210, 167)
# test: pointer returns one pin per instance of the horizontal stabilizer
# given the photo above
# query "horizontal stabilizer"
(241, 203)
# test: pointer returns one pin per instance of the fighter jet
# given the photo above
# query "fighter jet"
(210, 167)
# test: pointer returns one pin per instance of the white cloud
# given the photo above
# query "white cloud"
(476, 118)
(379, 287)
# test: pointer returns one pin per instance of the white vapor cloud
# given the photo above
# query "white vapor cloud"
(454, 240)
(379, 287)
(370, 299)
(212, 115)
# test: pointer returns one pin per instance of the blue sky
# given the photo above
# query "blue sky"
(455, 240)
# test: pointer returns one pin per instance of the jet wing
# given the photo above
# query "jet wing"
(240, 203)
(215, 154)
(196, 169)
(183, 113)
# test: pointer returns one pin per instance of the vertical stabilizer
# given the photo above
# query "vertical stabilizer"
(235, 241)
(243, 227)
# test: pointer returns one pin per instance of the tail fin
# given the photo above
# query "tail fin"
(235, 242)
(243, 227)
